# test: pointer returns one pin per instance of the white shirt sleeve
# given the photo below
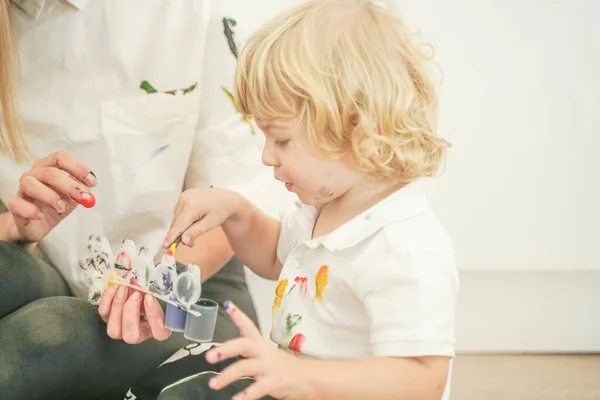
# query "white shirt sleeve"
(227, 150)
(409, 297)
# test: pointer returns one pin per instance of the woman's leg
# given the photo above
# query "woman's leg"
(57, 348)
(25, 278)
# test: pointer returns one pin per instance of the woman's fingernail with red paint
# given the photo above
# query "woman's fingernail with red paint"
(87, 200)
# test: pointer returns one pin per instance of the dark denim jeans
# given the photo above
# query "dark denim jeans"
(54, 346)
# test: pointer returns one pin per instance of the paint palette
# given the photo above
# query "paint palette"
(177, 285)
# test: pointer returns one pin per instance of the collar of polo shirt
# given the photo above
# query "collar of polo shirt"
(404, 203)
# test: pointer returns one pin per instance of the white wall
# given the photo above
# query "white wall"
(520, 191)
(520, 195)
(521, 87)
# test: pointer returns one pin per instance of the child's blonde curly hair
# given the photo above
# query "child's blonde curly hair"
(352, 70)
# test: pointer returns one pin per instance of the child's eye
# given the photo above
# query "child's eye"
(282, 143)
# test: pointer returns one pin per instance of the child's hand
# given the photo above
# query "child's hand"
(199, 211)
(277, 373)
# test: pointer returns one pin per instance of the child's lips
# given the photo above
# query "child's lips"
(288, 185)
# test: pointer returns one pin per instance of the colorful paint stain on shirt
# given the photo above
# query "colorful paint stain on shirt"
(291, 321)
(295, 344)
(228, 25)
(302, 283)
(155, 153)
(148, 88)
(288, 323)
(228, 29)
(246, 118)
(321, 283)
(279, 290)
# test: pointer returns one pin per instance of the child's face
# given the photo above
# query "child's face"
(315, 179)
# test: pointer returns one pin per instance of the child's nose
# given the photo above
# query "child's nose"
(269, 158)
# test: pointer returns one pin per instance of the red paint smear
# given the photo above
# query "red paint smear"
(302, 280)
(88, 202)
(296, 343)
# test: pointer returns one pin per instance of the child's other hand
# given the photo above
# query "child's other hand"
(276, 373)
(199, 211)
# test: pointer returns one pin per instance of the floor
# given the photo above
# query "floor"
(526, 377)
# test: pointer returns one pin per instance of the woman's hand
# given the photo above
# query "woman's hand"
(48, 193)
(122, 313)
(199, 211)
(276, 373)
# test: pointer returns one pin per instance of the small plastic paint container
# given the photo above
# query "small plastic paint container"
(201, 328)
(187, 289)
(175, 318)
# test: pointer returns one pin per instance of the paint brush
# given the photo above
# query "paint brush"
(173, 247)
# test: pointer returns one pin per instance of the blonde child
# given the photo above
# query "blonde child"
(365, 300)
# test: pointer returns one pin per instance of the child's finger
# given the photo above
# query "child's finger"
(181, 222)
(236, 371)
(236, 347)
(257, 390)
(198, 228)
(245, 324)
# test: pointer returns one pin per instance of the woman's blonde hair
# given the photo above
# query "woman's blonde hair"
(11, 138)
(353, 71)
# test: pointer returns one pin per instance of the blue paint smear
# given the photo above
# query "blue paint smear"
(154, 154)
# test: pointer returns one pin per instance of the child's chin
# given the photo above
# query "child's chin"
(305, 199)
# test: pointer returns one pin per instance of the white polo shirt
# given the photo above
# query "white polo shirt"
(83, 65)
(383, 284)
